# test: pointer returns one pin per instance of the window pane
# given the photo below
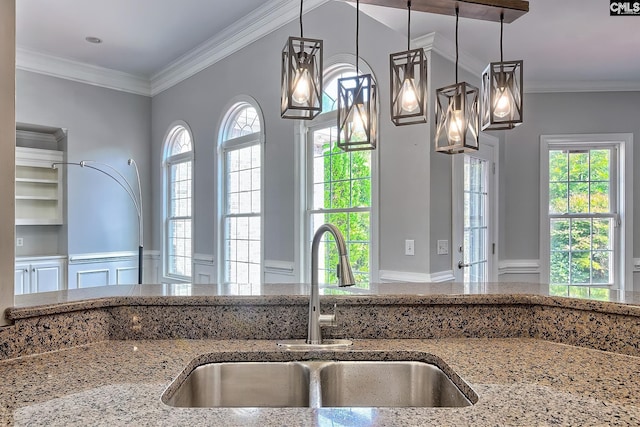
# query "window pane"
(559, 267)
(243, 122)
(559, 234)
(602, 231)
(558, 197)
(578, 197)
(600, 197)
(581, 234)
(601, 261)
(558, 166)
(600, 165)
(580, 267)
(579, 166)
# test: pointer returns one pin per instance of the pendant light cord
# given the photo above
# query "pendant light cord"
(457, 13)
(501, 30)
(409, 25)
(301, 33)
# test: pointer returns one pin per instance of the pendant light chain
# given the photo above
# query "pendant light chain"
(457, 13)
(301, 33)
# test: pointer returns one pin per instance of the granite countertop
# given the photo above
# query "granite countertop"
(508, 341)
(519, 382)
(38, 304)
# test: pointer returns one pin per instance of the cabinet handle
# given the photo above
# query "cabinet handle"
(33, 270)
(26, 270)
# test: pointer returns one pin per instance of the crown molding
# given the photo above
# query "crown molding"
(257, 24)
(444, 47)
(54, 66)
(580, 86)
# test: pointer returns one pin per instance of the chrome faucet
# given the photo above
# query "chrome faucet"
(345, 278)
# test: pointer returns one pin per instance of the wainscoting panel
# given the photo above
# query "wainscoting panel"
(102, 269)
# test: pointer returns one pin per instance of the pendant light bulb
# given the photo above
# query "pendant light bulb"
(456, 126)
(359, 119)
(301, 86)
(503, 104)
(408, 96)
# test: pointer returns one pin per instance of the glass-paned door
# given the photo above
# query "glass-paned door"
(474, 221)
(476, 225)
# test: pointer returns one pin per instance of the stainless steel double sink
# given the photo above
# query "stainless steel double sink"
(318, 383)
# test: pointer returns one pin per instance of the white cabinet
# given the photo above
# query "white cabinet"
(41, 275)
(39, 187)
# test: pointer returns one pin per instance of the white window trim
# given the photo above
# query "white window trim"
(624, 248)
(234, 144)
(167, 161)
(302, 256)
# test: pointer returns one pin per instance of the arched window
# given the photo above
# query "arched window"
(240, 253)
(339, 189)
(178, 190)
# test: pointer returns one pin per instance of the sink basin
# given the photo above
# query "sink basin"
(244, 384)
(388, 384)
(316, 384)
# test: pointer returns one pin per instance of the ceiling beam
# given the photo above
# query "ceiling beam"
(486, 10)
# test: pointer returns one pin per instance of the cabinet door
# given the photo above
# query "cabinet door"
(46, 276)
(22, 279)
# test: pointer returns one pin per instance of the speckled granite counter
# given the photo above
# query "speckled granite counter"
(118, 348)
(520, 382)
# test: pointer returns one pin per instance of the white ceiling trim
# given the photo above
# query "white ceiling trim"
(262, 21)
(36, 62)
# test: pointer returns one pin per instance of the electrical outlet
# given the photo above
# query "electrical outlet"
(19, 241)
(443, 247)
(409, 247)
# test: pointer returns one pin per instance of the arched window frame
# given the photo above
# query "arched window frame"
(336, 65)
(169, 161)
(226, 144)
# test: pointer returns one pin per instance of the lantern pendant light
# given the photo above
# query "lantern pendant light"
(502, 92)
(357, 107)
(301, 82)
(457, 118)
(408, 71)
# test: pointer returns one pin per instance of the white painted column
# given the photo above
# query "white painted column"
(7, 152)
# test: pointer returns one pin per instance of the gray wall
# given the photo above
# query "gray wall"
(7, 152)
(255, 70)
(598, 112)
(103, 125)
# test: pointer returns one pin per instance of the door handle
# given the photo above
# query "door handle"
(463, 265)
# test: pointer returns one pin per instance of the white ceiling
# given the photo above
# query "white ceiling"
(139, 37)
(568, 44)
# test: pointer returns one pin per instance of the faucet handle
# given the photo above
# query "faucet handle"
(329, 319)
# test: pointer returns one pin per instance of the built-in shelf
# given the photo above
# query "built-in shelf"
(39, 187)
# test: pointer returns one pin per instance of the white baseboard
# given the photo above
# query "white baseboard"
(389, 276)
(519, 266)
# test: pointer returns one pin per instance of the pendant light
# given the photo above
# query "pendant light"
(502, 92)
(357, 107)
(457, 118)
(301, 82)
(408, 72)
